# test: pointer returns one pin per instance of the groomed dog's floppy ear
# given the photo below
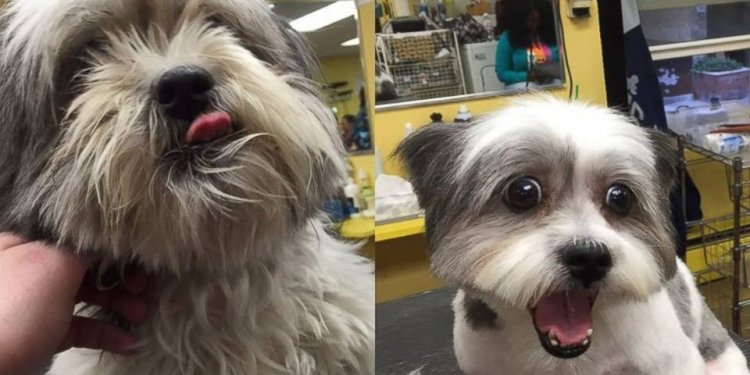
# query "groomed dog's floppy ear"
(666, 153)
(431, 157)
(666, 158)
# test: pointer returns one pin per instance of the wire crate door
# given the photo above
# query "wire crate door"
(423, 65)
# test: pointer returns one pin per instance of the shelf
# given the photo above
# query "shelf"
(450, 60)
(398, 229)
(359, 228)
(723, 279)
(725, 159)
(664, 4)
(699, 47)
(720, 227)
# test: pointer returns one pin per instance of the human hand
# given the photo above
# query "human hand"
(39, 287)
(537, 76)
(540, 77)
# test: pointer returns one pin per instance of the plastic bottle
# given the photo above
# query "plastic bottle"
(366, 193)
(408, 129)
(463, 114)
(378, 163)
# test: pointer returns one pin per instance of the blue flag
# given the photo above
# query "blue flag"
(646, 105)
(644, 94)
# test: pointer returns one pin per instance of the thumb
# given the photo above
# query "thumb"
(40, 283)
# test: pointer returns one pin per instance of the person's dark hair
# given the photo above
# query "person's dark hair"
(350, 119)
(499, 19)
(512, 15)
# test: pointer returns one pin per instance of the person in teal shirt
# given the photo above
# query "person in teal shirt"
(527, 40)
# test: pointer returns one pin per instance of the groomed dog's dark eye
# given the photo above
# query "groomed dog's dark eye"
(523, 193)
(619, 199)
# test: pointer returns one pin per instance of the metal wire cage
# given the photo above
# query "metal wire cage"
(718, 296)
(423, 64)
(723, 239)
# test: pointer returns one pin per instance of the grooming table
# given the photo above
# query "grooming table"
(417, 332)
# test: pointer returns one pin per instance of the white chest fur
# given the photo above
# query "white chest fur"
(311, 315)
(630, 338)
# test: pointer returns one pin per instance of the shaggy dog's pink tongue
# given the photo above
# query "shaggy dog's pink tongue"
(567, 315)
(209, 127)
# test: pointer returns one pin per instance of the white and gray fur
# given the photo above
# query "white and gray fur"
(649, 317)
(247, 280)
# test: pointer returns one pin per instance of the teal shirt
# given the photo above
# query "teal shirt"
(511, 63)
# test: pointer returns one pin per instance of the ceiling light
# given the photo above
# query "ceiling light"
(351, 43)
(325, 16)
(271, 5)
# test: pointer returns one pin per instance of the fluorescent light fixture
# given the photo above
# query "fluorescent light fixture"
(325, 16)
(351, 43)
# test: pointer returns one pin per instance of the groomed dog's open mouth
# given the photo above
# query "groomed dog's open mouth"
(563, 322)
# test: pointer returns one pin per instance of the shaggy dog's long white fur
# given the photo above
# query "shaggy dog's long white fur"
(246, 278)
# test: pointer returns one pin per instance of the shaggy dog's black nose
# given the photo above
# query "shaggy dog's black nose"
(183, 92)
(588, 262)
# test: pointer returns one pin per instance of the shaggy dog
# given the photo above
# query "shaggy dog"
(188, 137)
(552, 219)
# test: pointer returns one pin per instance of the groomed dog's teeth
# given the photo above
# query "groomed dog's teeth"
(590, 332)
(551, 336)
(554, 342)
(585, 342)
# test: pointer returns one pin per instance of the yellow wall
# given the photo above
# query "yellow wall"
(365, 162)
(403, 268)
(367, 54)
(367, 49)
(349, 68)
(584, 55)
(711, 181)
(344, 68)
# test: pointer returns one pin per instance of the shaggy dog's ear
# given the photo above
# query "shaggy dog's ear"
(303, 60)
(15, 125)
(431, 157)
(28, 124)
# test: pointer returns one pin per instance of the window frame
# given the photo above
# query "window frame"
(693, 47)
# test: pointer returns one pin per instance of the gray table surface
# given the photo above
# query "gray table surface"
(416, 332)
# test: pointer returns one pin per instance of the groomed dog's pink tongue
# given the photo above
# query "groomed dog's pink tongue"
(209, 127)
(566, 314)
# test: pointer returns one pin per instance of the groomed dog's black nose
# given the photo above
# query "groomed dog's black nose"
(183, 92)
(587, 262)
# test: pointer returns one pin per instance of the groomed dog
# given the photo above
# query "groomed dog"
(552, 219)
(186, 136)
